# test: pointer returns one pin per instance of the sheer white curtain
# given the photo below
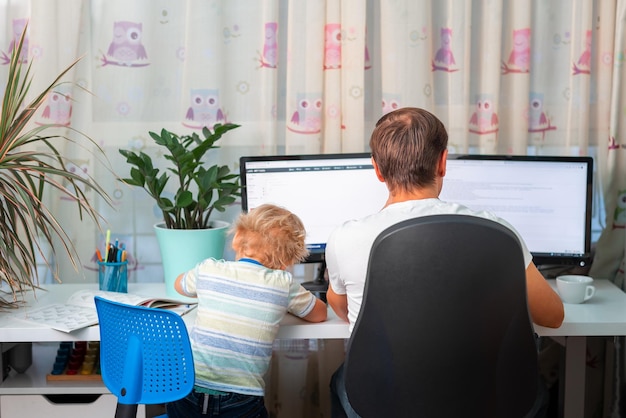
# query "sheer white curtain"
(306, 77)
(512, 77)
(610, 256)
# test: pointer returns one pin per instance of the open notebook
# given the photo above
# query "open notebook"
(80, 310)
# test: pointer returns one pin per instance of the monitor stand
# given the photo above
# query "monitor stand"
(318, 286)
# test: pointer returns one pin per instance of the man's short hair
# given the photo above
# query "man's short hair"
(406, 145)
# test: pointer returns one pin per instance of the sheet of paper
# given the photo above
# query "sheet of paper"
(63, 317)
(80, 309)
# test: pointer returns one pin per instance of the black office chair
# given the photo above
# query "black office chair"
(444, 328)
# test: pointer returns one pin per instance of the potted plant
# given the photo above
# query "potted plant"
(32, 164)
(187, 233)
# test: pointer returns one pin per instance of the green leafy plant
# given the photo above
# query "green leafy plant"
(200, 190)
(31, 163)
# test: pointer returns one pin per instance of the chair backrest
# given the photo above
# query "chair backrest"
(145, 353)
(444, 328)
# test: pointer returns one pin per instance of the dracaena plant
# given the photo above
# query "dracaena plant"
(31, 164)
(200, 189)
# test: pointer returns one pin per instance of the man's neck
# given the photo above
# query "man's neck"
(416, 194)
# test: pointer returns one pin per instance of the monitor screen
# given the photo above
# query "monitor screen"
(323, 190)
(547, 199)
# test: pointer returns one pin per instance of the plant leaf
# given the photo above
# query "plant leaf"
(31, 164)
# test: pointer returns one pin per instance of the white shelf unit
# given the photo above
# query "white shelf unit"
(33, 380)
(31, 394)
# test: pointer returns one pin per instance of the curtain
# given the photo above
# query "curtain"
(610, 255)
(506, 77)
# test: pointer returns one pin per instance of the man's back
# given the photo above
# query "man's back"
(348, 249)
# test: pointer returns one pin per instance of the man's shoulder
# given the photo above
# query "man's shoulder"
(363, 231)
(362, 224)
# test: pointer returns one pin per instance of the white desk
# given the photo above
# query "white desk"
(603, 315)
(29, 385)
(12, 329)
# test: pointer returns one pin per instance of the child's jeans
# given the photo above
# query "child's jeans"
(230, 405)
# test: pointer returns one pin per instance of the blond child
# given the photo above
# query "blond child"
(240, 306)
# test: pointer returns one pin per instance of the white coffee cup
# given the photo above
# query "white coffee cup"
(575, 288)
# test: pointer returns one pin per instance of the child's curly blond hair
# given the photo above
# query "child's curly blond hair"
(272, 235)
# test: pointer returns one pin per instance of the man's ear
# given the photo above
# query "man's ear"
(377, 171)
(443, 160)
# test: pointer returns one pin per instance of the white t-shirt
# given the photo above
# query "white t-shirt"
(349, 246)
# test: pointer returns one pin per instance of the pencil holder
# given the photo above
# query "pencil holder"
(113, 277)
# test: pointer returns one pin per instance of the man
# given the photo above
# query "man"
(409, 152)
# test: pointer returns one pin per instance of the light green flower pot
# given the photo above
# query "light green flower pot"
(182, 249)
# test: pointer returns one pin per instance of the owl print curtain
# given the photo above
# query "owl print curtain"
(506, 77)
(511, 77)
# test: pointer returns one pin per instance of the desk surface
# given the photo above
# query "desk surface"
(15, 328)
(603, 315)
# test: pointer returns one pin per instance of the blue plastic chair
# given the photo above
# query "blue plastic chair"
(145, 355)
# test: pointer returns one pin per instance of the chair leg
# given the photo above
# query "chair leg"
(125, 410)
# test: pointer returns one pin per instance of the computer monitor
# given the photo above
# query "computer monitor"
(324, 190)
(547, 199)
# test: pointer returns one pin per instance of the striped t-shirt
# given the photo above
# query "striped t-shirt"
(240, 306)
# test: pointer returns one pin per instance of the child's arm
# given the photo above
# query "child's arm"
(178, 286)
(318, 313)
